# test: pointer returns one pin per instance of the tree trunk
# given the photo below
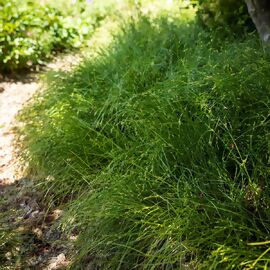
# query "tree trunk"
(259, 11)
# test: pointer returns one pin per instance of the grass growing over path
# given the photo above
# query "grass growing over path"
(160, 144)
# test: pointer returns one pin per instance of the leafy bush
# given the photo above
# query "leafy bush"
(30, 32)
(161, 145)
(224, 13)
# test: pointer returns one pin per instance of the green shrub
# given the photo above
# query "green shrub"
(224, 13)
(30, 32)
(161, 146)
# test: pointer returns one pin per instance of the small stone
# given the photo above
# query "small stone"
(57, 262)
(38, 233)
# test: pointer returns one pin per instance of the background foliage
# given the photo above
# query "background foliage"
(227, 14)
(31, 31)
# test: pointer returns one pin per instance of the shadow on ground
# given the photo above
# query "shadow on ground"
(29, 233)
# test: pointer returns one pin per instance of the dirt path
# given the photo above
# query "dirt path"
(14, 95)
(29, 238)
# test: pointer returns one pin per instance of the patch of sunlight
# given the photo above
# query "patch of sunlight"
(102, 38)
(172, 8)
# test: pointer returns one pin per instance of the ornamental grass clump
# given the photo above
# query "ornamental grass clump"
(160, 145)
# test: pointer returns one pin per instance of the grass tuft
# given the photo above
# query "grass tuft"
(160, 144)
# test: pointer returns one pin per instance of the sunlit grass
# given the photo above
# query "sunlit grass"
(160, 145)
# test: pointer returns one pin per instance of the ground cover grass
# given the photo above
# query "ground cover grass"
(159, 148)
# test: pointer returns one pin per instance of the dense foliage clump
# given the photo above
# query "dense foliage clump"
(228, 15)
(30, 32)
(160, 144)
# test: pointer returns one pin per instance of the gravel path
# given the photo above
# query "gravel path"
(14, 94)
(38, 244)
